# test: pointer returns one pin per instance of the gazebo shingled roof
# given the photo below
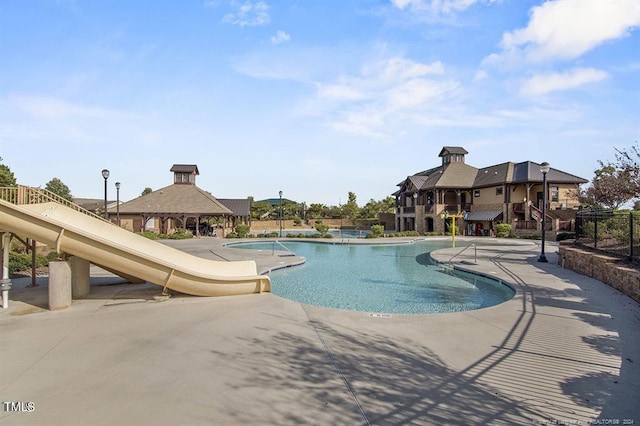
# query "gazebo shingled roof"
(175, 199)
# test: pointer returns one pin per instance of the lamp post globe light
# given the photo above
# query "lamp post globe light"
(280, 194)
(118, 203)
(544, 168)
(105, 175)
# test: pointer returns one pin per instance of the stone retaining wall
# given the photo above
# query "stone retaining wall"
(608, 269)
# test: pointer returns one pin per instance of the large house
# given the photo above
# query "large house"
(181, 205)
(478, 198)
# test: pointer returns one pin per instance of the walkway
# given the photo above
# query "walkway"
(564, 349)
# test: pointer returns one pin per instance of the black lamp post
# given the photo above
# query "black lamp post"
(280, 193)
(118, 203)
(544, 168)
(105, 175)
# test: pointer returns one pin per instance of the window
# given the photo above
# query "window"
(476, 193)
(499, 191)
(182, 178)
(554, 193)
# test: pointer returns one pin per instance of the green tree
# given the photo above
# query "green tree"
(56, 186)
(261, 210)
(146, 191)
(316, 211)
(611, 187)
(6, 175)
(321, 228)
(373, 208)
(351, 209)
(628, 162)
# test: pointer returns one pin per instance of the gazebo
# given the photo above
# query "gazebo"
(181, 205)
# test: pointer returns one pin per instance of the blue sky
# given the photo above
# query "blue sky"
(314, 98)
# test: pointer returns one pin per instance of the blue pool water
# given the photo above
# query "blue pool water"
(380, 279)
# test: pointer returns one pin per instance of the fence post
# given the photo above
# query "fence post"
(595, 231)
(631, 236)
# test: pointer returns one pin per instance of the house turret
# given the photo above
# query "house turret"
(452, 154)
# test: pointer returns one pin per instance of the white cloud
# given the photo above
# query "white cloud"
(385, 92)
(545, 83)
(566, 29)
(437, 7)
(280, 37)
(480, 75)
(339, 91)
(248, 14)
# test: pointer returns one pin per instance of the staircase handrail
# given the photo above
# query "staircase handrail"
(22, 194)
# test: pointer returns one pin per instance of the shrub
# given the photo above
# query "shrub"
(405, 234)
(531, 237)
(376, 231)
(19, 261)
(322, 228)
(242, 230)
(297, 221)
(148, 234)
(503, 230)
(565, 236)
(178, 234)
(22, 261)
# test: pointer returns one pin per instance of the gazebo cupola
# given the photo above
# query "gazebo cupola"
(185, 173)
(452, 154)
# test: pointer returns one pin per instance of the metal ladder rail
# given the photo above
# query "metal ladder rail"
(273, 248)
(475, 255)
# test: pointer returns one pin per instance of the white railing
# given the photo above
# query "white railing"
(21, 194)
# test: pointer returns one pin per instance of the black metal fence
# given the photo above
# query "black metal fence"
(608, 231)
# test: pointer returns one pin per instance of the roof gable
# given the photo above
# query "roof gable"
(185, 168)
(452, 150)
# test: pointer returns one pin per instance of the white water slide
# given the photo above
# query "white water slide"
(128, 254)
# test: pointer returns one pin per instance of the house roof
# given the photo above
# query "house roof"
(239, 207)
(175, 199)
(452, 150)
(456, 175)
(530, 171)
(90, 204)
(275, 201)
(185, 168)
(461, 175)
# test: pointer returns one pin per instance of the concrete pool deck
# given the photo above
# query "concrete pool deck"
(565, 349)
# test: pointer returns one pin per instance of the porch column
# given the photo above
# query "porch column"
(527, 203)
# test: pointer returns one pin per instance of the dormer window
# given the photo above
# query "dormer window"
(181, 177)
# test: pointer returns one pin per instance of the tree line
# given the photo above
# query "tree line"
(302, 211)
(614, 184)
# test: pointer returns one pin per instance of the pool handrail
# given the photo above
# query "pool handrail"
(475, 255)
(273, 248)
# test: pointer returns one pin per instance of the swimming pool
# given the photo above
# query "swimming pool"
(382, 278)
(335, 233)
